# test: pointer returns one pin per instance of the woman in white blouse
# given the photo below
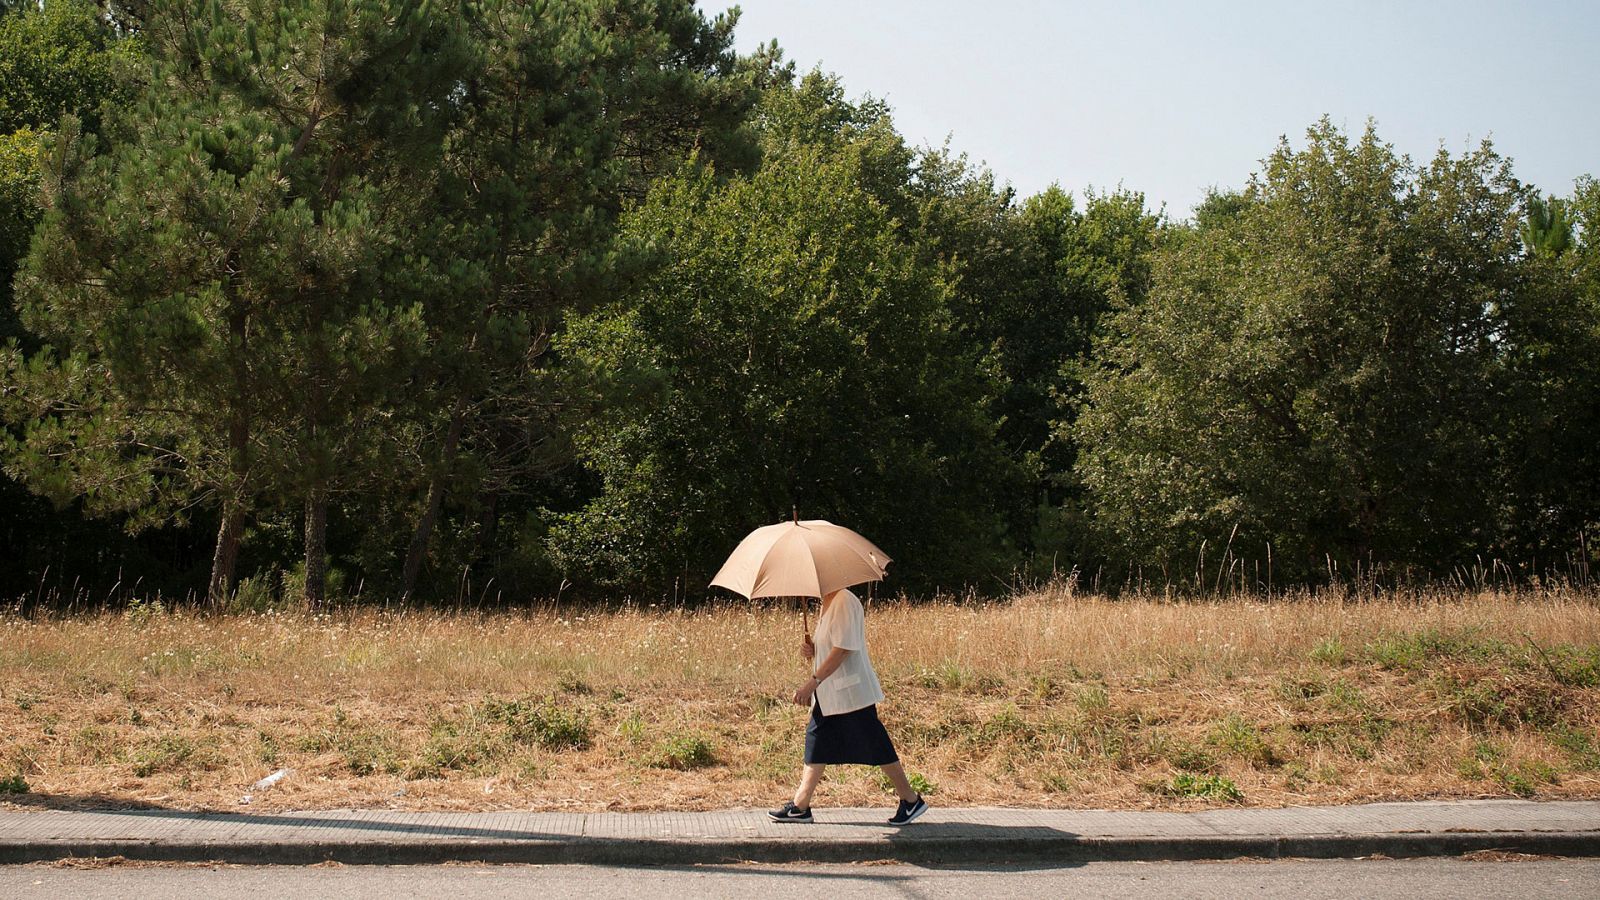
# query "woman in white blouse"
(843, 693)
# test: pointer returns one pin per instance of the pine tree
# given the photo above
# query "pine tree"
(230, 294)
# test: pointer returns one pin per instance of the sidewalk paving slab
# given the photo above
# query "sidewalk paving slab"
(951, 836)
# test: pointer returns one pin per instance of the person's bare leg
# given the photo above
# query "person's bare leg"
(810, 777)
(902, 784)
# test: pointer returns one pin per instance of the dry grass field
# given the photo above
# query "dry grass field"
(1044, 699)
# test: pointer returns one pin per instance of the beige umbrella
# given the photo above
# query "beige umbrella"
(813, 558)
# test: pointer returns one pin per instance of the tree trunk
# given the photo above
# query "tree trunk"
(458, 417)
(316, 587)
(488, 524)
(430, 511)
(226, 556)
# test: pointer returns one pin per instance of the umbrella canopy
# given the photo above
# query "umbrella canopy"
(812, 558)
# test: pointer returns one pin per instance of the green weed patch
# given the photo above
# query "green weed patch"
(1204, 787)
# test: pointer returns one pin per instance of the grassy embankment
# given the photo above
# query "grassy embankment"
(1045, 699)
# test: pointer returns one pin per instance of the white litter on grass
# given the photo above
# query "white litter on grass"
(270, 780)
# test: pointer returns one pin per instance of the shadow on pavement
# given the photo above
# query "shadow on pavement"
(950, 845)
(965, 846)
(108, 806)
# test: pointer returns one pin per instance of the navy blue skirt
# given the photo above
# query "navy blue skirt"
(852, 737)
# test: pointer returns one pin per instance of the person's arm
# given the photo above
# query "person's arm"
(802, 697)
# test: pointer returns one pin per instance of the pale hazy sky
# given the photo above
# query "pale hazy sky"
(1171, 97)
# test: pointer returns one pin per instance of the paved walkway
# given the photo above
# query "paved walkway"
(970, 835)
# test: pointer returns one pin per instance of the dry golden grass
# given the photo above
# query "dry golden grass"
(1046, 699)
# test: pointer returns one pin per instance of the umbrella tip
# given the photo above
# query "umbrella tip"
(795, 510)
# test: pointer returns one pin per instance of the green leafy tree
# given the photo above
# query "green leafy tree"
(1029, 282)
(814, 112)
(224, 292)
(1551, 412)
(61, 58)
(56, 60)
(1316, 371)
(19, 214)
(791, 350)
(1032, 283)
(578, 106)
(1086, 265)
(1218, 208)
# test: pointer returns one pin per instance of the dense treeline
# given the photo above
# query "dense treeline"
(323, 298)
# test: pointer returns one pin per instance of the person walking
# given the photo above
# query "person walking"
(843, 693)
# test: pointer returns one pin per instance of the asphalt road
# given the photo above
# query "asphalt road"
(1410, 879)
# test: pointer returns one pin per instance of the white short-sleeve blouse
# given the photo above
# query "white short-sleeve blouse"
(854, 685)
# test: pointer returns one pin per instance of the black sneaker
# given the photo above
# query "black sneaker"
(790, 813)
(906, 812)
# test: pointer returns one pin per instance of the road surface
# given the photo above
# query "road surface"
(1410, 879)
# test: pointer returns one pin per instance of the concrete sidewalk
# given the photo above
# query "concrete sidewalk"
(951, 836)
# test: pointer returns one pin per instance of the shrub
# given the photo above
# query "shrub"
(1572, 666)
(1006, 724)
(267, 748)
(256, 593)
(1094, 701)
(951, 676)
(683, 751)
(544, 723)
(1579, 744)
(1488, 761)
(293, 581)
(1210, 787)
(13, 784)
(1044, 687)
(1056, 783)
(1239, 737)
(143, 610)
(919, 783)
(1415, 650)
(1344, 695)
(367, 753)
(1191, 758)
(167, 752)
(488, 731)
(632, 728)
(1329, 651)
(1508, 701)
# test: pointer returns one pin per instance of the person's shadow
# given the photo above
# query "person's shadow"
(417, 836)
(937, 844)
